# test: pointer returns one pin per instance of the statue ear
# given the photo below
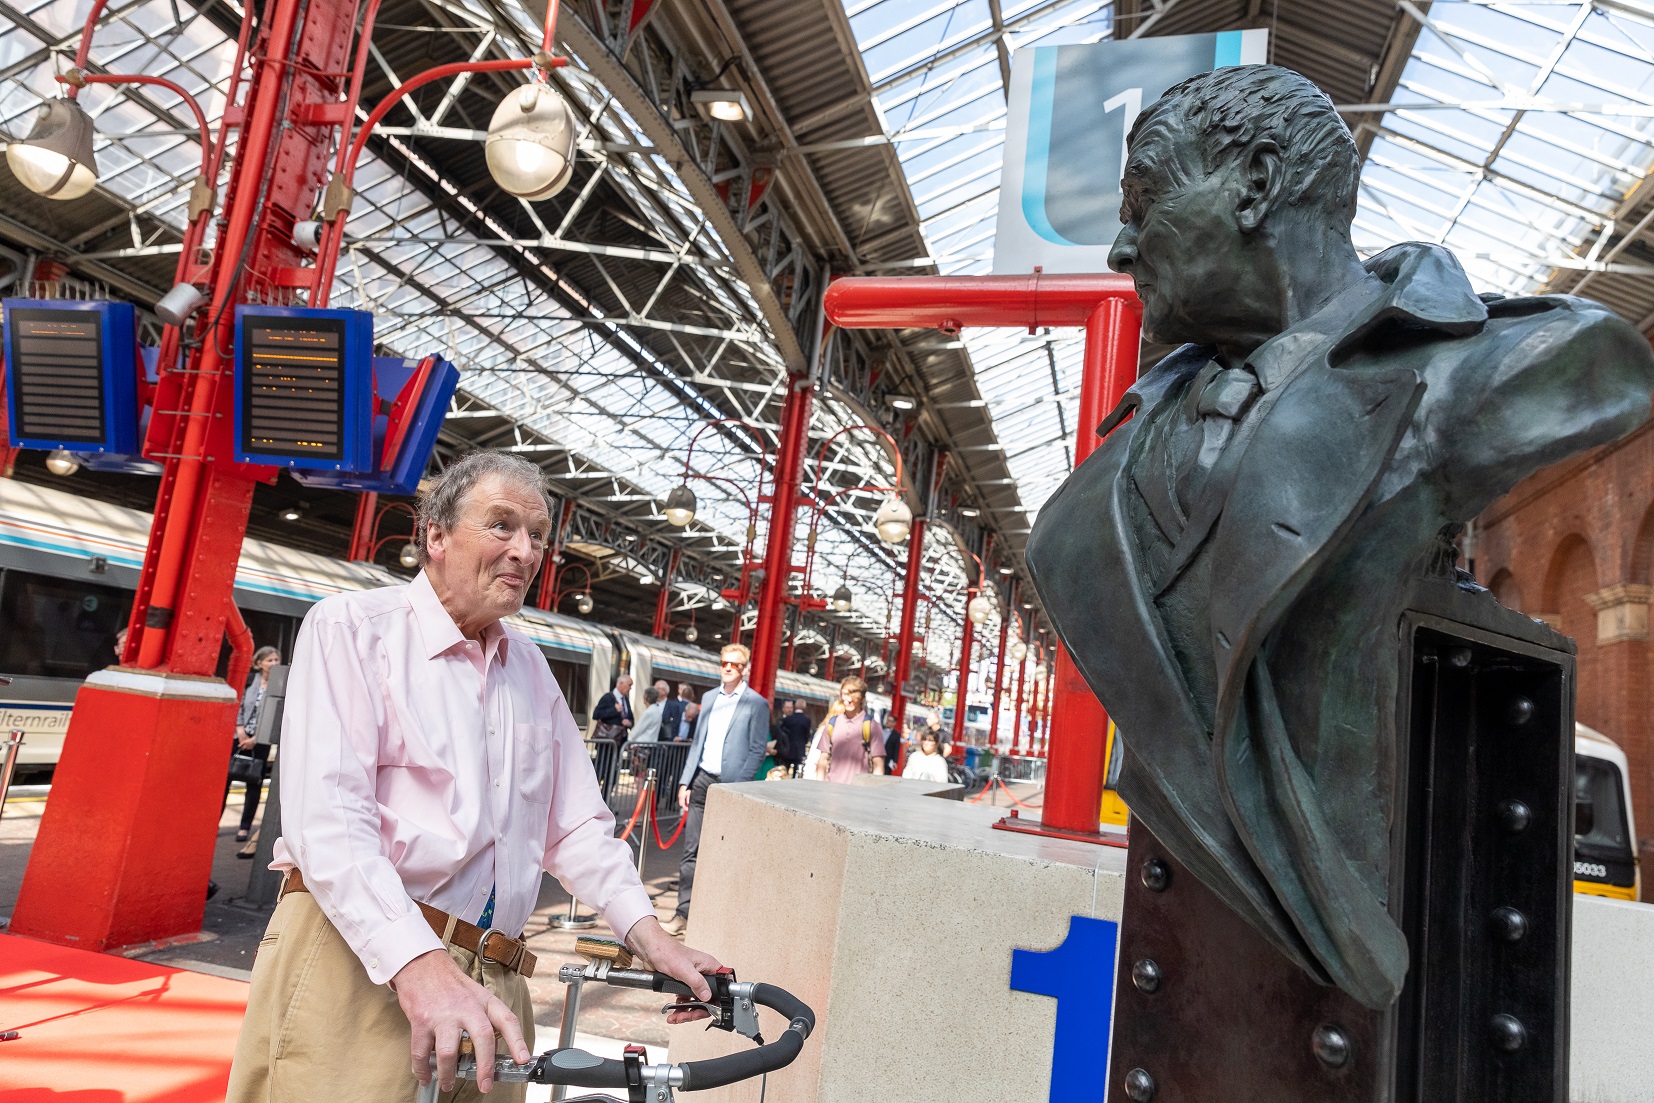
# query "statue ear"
(1262, 180)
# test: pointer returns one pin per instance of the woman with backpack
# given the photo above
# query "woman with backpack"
(853, 742)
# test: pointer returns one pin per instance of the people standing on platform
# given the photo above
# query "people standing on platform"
(686, 726)
(793, 735)
(729, 743)
(432, 772)
(851, 743)
(648, 725)
(926, 763)
(246, 727)
(614, 712)
(671, 713)
(674, 718)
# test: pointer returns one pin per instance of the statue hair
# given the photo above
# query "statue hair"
(1228, 109)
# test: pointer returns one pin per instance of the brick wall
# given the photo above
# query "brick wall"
(1572, 545)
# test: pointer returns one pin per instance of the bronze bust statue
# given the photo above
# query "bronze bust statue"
(1228, 568)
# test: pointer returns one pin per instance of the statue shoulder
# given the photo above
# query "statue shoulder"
(1563, 317)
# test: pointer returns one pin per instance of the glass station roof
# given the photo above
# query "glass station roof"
(1516, 135)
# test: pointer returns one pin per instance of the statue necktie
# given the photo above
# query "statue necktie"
(1223, 401)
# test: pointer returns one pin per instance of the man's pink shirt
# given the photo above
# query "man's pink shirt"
(419, 765)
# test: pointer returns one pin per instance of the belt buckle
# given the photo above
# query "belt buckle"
(482, 949)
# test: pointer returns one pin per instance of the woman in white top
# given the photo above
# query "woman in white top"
(927, 764)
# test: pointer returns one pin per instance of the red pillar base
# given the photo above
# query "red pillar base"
(1076, 745)
(126, 843)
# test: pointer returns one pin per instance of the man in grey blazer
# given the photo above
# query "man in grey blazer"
(730, 735)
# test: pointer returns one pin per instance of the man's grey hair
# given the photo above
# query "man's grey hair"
(651, 695)
(1228, 109)
(444, 501)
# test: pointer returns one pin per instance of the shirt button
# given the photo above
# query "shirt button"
(496, 784)
(490, 731)
(373, 963)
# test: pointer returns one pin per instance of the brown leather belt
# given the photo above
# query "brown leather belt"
(495, 946)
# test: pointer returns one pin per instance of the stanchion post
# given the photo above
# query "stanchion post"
(565, 1029)
(14, 747)
(648, 811)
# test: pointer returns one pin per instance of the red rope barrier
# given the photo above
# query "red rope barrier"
(654, 818)
(988, 788)
(643, 795)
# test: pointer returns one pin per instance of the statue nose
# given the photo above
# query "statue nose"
(1123, 255)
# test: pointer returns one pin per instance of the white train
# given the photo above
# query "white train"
(69, 567)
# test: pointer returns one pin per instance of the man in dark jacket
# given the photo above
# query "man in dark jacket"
(614, 711)
(792, 734)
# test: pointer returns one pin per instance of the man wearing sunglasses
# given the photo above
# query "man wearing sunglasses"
(730, 734)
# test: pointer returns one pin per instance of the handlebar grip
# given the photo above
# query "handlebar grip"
(779, 999)
(578, 1069)
(718, 1071)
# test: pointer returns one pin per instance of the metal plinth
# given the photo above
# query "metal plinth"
(1480, 883)
(1014, 822)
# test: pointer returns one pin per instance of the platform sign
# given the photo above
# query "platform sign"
(304, 388)
(71, 380)
(1070, 109)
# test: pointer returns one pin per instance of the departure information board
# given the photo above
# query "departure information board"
(304, 387)
(293, 387)
(71, 375)
(57, 368)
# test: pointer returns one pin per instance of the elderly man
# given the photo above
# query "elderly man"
(730, 737)
(1229, 567)
(431, 770)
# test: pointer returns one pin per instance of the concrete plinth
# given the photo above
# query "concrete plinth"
(893, 914)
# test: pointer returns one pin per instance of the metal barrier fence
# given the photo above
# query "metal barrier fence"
(1021, 768)
(621, 768)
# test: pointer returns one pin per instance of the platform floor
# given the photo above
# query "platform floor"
(232, 931)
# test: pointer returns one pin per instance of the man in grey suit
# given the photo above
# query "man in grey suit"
(730, 735)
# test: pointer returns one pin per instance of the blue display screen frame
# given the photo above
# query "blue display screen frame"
(117, 399)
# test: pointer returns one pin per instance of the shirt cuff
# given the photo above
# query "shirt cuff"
(404, 939)
(625, 910)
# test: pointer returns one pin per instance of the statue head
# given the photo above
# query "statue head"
(1232, 179)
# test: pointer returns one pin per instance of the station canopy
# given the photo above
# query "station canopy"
(601, 331)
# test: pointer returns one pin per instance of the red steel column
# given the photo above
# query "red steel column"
(665, 598)
(1016, 713)
(967, 641)
(361, 533)
(910, 612)
(1077, 727)
(548, 573)
(999, 672)
(778, 546)
(125, 845)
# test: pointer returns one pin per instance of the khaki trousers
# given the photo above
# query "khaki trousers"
(318, 1029)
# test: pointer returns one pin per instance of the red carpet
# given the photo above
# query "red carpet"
(100, 1029)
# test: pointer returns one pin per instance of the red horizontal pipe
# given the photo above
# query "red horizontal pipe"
(954, 302)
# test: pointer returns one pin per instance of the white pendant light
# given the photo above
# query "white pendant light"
(61, 462)
(893, 521)
(409, 557)
(530, 145)
(979, 609)
(680, 506)
(56, 159)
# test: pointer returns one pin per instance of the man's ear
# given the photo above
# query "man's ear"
(436, 542)
(1261, 176)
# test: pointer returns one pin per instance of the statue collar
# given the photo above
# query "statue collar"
(1412, 285)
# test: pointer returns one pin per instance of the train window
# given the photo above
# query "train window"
(572, 679)
(58, 628)
(1597, 782)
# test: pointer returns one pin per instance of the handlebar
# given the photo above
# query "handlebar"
(731, 1009)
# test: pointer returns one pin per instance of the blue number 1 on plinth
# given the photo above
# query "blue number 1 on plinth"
(1080, 975)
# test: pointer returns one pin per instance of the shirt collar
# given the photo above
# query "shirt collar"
(728, 693)
(437, 629)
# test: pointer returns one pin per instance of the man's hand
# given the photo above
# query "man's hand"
(665, 954)
(683, 797)
(244, 742)
(440, 1001)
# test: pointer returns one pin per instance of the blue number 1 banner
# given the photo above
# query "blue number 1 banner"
(1079, 975)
